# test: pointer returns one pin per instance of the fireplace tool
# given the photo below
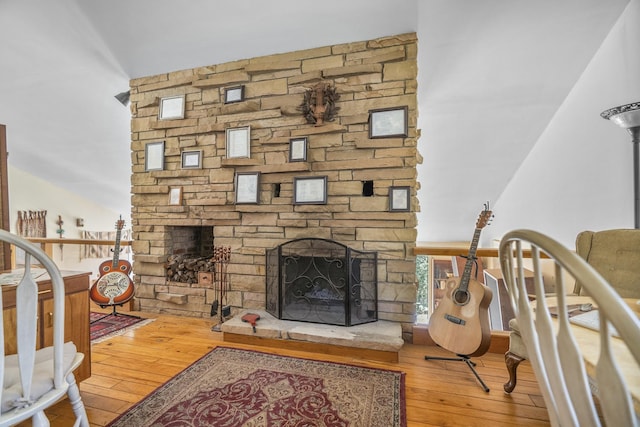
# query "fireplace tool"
(221, 257)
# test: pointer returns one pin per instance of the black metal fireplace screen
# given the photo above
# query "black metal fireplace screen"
(322, 281)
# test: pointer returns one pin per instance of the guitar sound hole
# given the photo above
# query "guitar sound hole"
(123, 267)
(460, 297)
(105, 268)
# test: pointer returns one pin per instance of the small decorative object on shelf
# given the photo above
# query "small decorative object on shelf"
(319, 105)
(60, 232)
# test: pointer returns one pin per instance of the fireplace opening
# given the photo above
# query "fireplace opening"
(322, 281)
(189, 250)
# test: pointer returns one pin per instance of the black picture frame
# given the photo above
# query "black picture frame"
(247, 187)
(399, 199)
(389, 122)
(298, 149)
(310, 190)
(234, 94)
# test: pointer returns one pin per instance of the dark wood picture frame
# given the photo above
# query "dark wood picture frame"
(399, 199)
(389, 122)
(234, 94)
(310, 190)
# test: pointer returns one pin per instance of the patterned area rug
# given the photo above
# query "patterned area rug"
(105, 326)
(231, 388)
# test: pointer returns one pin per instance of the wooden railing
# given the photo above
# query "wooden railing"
(47, 243)
(458, 249)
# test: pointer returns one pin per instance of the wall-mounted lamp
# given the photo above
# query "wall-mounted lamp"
(628, 117)
(123, 97)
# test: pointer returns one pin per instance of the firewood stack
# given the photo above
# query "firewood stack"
(185, 268)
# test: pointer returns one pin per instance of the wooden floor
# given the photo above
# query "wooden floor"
(128, 367)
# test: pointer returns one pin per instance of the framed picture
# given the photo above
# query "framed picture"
(171, 107)
(298, 150)
(399, 199)
(388, 123)
(154, 156)
(175, 196)
(192, 159)
(310, 190)
(233, 94)
(247, 186)
(238, 142)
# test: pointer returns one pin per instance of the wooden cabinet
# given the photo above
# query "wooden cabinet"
(76, 328)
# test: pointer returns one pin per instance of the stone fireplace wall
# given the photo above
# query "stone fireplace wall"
(367, 75)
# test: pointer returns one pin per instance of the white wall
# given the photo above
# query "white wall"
(579, 175)
(27, 192)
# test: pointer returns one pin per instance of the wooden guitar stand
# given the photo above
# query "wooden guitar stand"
(465, 359)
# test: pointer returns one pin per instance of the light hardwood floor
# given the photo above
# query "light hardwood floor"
(126, 368)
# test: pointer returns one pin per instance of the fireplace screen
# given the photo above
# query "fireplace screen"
(322, 281)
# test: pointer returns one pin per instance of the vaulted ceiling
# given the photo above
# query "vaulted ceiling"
(492, 73)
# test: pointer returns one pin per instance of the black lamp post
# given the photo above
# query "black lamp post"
(628, 117)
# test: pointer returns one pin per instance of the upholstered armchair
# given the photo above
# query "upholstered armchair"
(615, 254)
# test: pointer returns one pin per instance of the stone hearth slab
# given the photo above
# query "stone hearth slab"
(381, 335)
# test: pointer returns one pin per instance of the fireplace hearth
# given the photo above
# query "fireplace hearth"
(321, 281)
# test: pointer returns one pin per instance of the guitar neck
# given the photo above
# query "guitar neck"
(466, 275)
(116, 249)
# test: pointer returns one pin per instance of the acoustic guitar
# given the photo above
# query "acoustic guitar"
(460, 323)
(114, 286)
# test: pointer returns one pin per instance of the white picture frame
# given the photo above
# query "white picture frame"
(175, 196)
(388, 122)
(238, 142)
(171, 108)
(247, 187)
(191, 159)
(310, 190)
(154, 156)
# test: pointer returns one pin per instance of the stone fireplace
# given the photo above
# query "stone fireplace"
(321, 281)
(191, 207)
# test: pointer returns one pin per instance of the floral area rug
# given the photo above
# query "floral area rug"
(231, 388)
(104, 326)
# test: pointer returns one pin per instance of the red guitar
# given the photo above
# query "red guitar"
(460, 323)
(114, 286)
